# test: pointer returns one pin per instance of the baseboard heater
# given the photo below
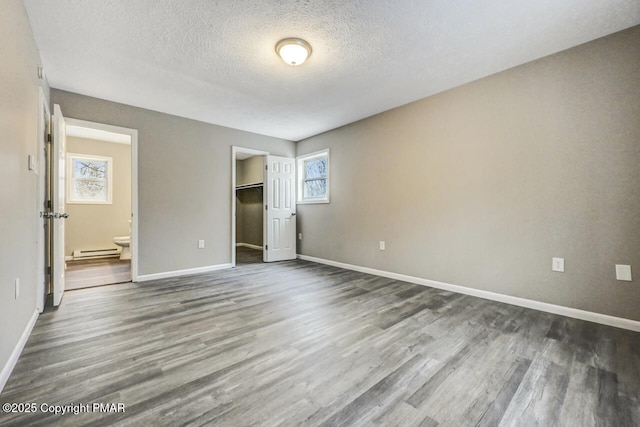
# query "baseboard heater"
(96, 253)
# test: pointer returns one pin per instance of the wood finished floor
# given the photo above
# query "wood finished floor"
(96, 272)
(297, 343)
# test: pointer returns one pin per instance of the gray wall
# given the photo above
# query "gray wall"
(482, 185)
(249, 202)
(93, 226)
(184, 180)
(19, 109)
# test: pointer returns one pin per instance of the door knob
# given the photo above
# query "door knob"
(293, 214)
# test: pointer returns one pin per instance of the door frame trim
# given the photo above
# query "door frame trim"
(44, 115)
(234, 151)
(134, 181)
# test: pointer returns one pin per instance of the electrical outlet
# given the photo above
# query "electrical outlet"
(623, 272)
(200, 244)
(382, 245)
(299, 236)
(557, 264)
(17, 287)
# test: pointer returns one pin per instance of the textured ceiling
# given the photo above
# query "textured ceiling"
(214, 61)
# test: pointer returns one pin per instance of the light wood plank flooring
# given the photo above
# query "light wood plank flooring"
(96, 272)
(297, 343)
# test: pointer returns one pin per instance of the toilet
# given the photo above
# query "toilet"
(125, 243)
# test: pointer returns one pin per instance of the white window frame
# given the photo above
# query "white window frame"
(300, 160)
(71, 179)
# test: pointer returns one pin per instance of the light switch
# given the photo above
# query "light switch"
(33, 163)
(623, 272)
(200, 244)
(382, 245)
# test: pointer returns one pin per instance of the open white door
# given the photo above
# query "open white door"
(58, 195)
(280, 209)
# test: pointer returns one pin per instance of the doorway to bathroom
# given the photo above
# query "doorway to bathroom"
(98, 201)
(92, 180)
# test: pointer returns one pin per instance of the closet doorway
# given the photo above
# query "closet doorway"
(248, 226)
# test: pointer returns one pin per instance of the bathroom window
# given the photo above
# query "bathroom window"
(313, 177)
(89, 179)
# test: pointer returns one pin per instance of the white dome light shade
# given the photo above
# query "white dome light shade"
(293, 51)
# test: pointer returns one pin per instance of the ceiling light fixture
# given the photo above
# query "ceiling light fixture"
(293, 51)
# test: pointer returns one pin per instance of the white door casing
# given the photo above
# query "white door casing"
(280, 209)
(41, 169)
(59, 142)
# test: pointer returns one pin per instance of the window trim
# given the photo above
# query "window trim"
(71, 179)
(300, 160)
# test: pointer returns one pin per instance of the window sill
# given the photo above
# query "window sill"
(312, 202)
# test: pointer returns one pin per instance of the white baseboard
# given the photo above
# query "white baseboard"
(604, 319)
(176, 273)
(249, 245)
(15, 354)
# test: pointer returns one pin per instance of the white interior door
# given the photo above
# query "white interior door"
(59, 141)
(280, 209)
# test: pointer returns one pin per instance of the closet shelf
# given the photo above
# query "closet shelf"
(254, 185)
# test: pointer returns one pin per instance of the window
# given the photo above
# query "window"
(89, 179)
(313, 177)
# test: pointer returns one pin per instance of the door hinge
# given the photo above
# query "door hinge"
(48, 137)
(266, 247)
(266, 167)
(49, 270)
(48, 204)
(266, 208)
